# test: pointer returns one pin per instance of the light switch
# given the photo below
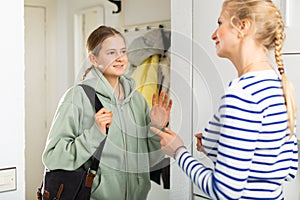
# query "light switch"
(8, 179)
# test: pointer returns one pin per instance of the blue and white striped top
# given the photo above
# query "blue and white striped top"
(248, 142)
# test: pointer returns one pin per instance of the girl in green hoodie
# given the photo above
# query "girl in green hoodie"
(130, 148)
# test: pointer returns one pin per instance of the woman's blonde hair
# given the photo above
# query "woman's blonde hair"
(269, 31)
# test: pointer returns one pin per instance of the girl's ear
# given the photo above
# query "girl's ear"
(92, 59)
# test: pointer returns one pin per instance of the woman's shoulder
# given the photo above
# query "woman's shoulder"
(255, 80)
(255, 86)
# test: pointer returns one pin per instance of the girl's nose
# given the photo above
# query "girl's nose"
(120, 57)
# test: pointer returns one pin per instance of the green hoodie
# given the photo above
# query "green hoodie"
(130, 147)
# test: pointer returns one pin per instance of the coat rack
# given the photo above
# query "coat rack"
(118, 4)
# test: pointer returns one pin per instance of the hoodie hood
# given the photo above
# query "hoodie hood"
(105, 90)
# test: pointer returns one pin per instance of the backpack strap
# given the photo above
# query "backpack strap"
(96, 103)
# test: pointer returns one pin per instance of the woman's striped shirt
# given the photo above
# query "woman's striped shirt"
(248, 141)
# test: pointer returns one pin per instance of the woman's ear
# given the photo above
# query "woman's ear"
(244, 27)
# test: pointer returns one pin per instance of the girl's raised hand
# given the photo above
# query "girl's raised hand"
(160, 111)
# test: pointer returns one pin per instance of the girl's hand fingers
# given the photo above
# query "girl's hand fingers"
(165, 100)
(153, 99)
(103, 119)
(160, 99)
(102, 111)
(169, 105)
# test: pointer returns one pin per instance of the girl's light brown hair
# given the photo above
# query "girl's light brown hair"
(268, 31)
(95, 41)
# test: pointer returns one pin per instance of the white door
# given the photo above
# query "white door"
(35, 97)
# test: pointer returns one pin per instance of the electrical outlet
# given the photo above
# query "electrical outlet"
(8, 179)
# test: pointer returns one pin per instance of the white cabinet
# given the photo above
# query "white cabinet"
(292, 43)
(291, 63)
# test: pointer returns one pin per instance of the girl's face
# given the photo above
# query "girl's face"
(112, 59)
(226, 37)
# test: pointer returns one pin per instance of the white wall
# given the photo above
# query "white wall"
(12, 97)
(144, 11)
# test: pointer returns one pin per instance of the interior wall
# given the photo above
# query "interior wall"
(12, 97)
(134, 9)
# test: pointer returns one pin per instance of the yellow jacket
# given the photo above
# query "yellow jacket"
(146, 77)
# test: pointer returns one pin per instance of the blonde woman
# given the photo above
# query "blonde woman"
(251, 138)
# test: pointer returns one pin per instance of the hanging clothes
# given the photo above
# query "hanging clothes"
(146, 78)
(149, 62)
(156, 41)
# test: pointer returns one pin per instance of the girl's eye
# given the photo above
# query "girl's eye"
(123, 51)
(219, 23)
(111, 53)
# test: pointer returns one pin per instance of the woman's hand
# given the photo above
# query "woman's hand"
(160, 111)
(103, 119)
(199, 143)
(169, 141)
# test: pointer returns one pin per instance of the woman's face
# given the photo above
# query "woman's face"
(225, 37)
(112, 59)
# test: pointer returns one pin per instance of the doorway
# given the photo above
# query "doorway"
(35, 96)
